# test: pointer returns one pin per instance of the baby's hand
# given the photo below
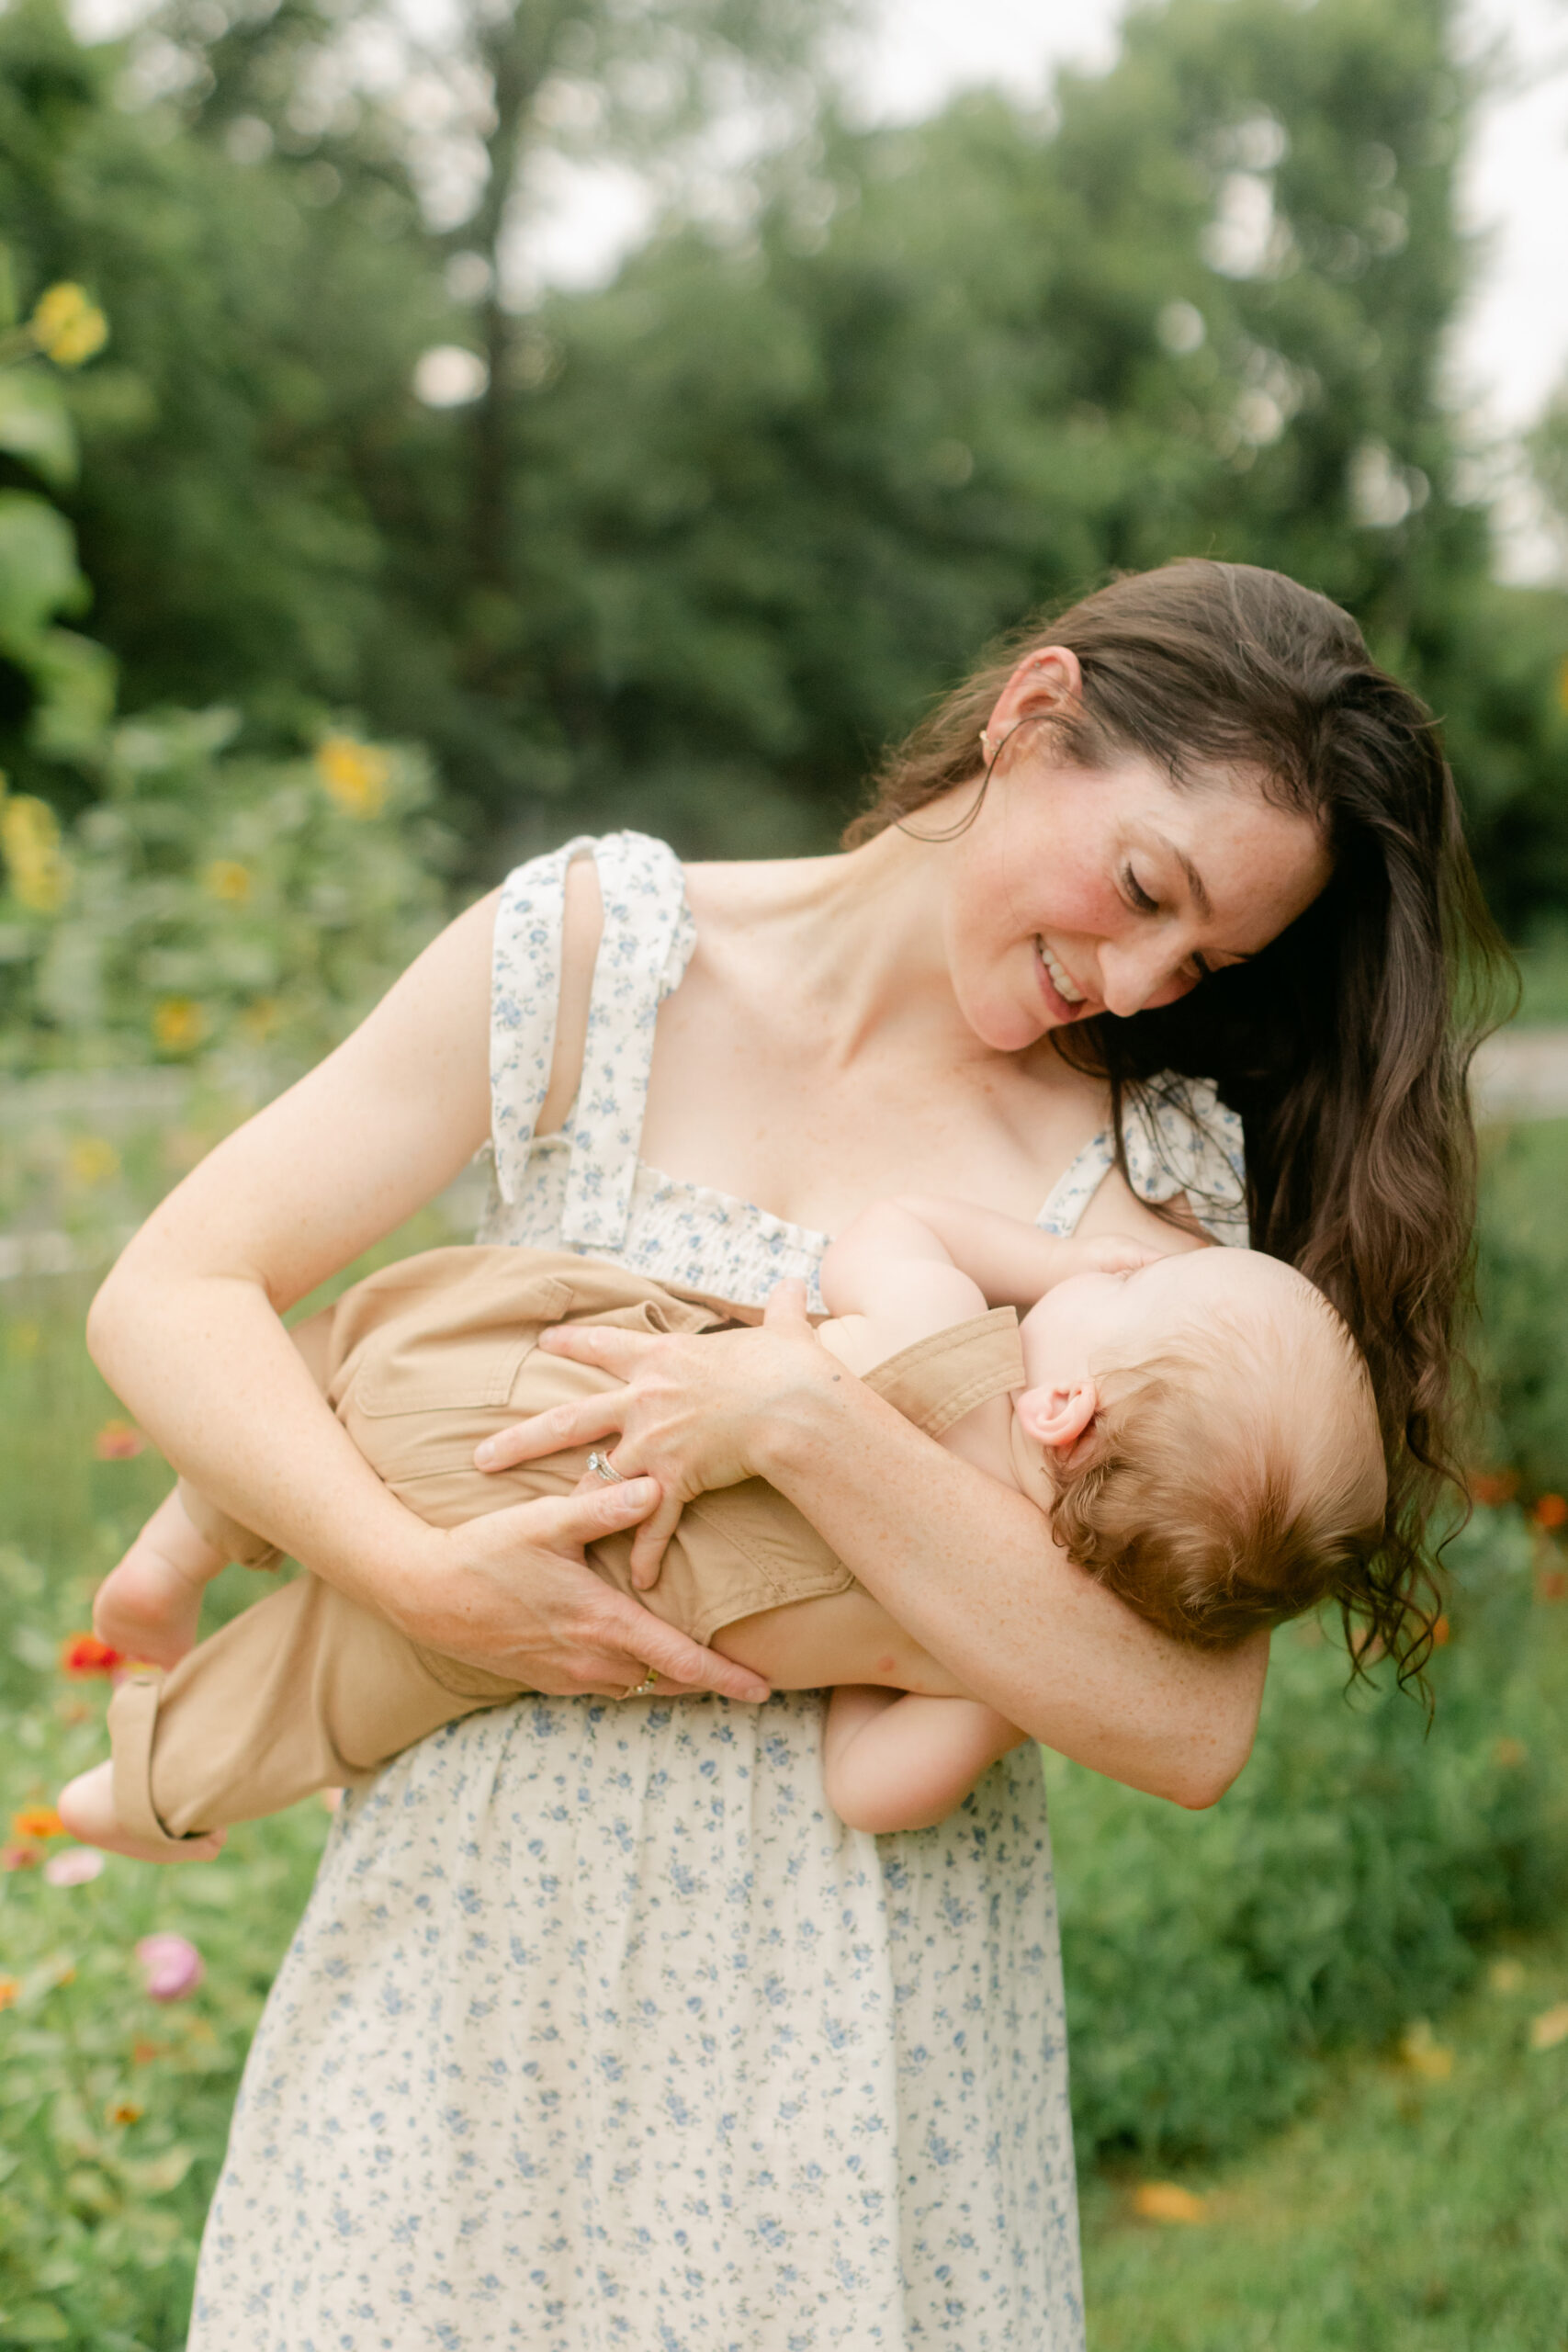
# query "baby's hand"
(1104, 1253)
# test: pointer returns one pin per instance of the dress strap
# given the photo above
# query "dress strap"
(1181, 1138)
(526, 970)
(644, 949)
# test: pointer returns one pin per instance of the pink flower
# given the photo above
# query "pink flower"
(75, 1867)
(173, 1966)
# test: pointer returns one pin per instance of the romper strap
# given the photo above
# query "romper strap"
(937, 1381)
(645, 947)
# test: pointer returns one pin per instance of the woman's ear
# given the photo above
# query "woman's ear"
(1057, 1417)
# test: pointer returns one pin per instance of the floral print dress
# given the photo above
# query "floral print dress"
(601, 2033)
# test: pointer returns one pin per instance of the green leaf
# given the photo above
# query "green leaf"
(35, 425)
(38, 575)
(76, 682)
(34, 2324)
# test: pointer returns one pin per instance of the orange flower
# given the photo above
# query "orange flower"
(123, 2110)
(9, 1988)
(1443, 1634)
(83, 1654)
(143, 2053)
(1162, 2200)
(117, 1442)
(1510, 1754)
(1493, 1486)
(1552, 1584)
(37, 1821)
(1551, 1512)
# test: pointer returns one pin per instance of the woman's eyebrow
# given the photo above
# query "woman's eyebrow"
(1201, 897)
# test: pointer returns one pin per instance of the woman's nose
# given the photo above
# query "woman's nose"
(1139, 974)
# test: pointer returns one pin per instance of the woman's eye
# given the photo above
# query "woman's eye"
(1137, 895)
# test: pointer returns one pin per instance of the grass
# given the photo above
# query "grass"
(1403, 2214)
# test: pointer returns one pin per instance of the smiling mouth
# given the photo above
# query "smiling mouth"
(1062, 984)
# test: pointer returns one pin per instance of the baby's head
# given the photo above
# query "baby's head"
(1204, 1435)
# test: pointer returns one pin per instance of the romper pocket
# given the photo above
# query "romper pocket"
(458, 1355)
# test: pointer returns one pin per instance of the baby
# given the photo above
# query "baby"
(1198, 1430)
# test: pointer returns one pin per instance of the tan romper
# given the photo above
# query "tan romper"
(309, 1691)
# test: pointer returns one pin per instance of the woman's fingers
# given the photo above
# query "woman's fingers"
(647, 1641)
(785, 1309)
(647, 1544)
(563, 1426)
(612, 1350)
(575, 1521)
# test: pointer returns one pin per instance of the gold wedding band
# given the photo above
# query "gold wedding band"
(649, 1680)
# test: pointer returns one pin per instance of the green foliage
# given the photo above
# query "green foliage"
(1523, 1281)
(1338, 1891)
(1404, 2213)
(218, 907)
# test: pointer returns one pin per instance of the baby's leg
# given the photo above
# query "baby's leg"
(148, 1606)
(896, 1760)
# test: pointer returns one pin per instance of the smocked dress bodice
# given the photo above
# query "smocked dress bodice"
(587, 1186)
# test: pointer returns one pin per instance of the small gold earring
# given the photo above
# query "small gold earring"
(985, 745)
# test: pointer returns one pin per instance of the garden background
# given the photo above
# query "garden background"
(341, 566)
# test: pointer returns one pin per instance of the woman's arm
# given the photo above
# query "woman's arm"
(965, 1564)
(186, 1330)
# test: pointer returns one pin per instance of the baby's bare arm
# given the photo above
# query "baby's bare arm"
(892, 1762)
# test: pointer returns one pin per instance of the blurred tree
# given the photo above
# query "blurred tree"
(774, 495)
(716, 532)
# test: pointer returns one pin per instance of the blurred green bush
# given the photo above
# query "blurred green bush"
(215, 908)
(1341, 1889)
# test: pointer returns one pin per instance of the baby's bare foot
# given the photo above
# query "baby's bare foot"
(150, 1605)
(87, 1807)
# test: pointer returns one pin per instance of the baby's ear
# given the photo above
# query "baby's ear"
(1057, 1417)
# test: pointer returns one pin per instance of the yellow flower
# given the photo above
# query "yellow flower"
(92, 1159)
(30, 837)
(179, 1024)
(226, 879)
(356, 775)
(67, 327)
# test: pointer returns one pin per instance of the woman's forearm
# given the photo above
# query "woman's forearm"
(969, 1568)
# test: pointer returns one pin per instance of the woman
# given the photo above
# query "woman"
(599, 2030)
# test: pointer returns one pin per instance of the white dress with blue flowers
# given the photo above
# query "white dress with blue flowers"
(601, 2033)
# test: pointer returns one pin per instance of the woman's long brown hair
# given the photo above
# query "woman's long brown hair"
(1345, 1044)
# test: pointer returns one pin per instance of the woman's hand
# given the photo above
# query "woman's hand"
(512, 1593)
(690, 1414)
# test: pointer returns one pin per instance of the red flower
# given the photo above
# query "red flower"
(117, 1442)
(1551, 1512)
(82, 1655)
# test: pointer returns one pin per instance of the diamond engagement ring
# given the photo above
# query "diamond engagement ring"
(603, 1467)
(649, 1680)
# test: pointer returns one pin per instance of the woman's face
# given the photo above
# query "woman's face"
(1079, 891)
